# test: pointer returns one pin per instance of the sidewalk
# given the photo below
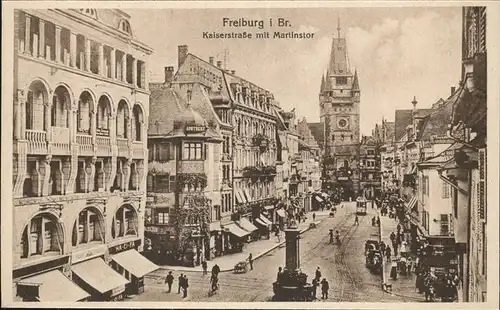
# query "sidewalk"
(257, 248)
(404, 285)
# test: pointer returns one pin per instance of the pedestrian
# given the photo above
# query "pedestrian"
(314, 216)
(315, 284)
(398, 228)
(388, 253)
(169, 280)
(394, 270)
(324, 289)
(250, 260)
(392, 237)
(318, 274)
(395, 248)
(204, 266)
(278, 276)
(409, 266)
(185, 286)
(278, 235)
(216, 269)
(180, 279)
(378, 221)
(356, 220)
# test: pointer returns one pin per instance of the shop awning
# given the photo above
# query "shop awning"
(54, 286)
(281, 212)
(411, 203)
(247, 194)
(237, 197)
(235, 230)
(260, 222)
(265, 220)
(247, 225)
(99, 275)
(319, 199)
(135, 263)
(241, 195)
(215, 226)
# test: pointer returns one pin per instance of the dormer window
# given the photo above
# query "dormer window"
(90, 12)
(125, 27)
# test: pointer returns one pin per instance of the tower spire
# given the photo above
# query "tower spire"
(338, 27)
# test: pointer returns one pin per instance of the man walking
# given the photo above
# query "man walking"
(318, 274)
(250, 261)
(314, 216)
(180, 279)
(169, 280)
(324, 289)
(204, 266)
(356, 220)
(185, 286)
(315, 283)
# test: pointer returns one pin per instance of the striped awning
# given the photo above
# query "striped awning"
(281, 212)
(319, 199)
(247, 194)
(411, 204)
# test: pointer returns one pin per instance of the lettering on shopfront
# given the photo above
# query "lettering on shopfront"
(195, 129)
(83, 255)
(124, 247)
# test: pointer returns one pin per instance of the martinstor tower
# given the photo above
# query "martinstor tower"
(339, 100)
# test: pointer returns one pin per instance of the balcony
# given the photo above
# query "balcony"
(258, 171)
(85, 145)
(137, 149)
(37, 141)
(122, 147)
(60, 140)
(103, 146)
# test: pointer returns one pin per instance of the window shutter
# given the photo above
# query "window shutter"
(481, 189)
(205, 152)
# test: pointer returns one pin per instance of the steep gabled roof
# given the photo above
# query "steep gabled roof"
(164, 107)
(355, 83)
(339, 62)
(318, 132)
(403, 118)
(436, 123)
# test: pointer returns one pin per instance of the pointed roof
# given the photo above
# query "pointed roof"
(322, 88)
(339, 62)
(355, 83)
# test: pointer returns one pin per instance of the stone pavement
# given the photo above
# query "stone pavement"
(257, 248)
(403, 286)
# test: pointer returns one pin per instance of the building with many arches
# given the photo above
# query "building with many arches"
(81, 103)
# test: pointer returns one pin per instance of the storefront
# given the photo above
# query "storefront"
(99, 280)
(234, 237)
(127, 261)
(50, 286)
(264, 225)
(245, 224)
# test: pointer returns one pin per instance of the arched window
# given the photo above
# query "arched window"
(89, 227)
(125, 222)
(137, 123)
(122, 117)
(90, 12)
(43, 235)
(125, 27)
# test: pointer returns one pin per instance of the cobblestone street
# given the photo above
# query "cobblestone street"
(343, 266)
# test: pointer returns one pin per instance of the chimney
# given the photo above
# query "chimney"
(211, 60)
(452, 90)
(182, 51)
(169, 74)
(219, 64)
(233, 72)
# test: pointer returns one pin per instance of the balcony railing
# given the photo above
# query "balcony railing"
(37, 141)
(103, 145)
(137, 149)
(60, 140)
(122, 144)
(86, 147)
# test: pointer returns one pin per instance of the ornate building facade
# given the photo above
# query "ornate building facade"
(80, 108)
(339, 101)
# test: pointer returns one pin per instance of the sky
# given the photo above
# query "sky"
(398, 52)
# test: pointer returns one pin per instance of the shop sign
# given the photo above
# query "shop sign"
(118, 292)
(124, 247)
(152, 229)
(86, 254)
(195, 129)
(343, 178)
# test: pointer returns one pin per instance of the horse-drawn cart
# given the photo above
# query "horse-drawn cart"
(241, 267)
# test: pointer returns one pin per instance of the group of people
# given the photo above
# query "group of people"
(182, 281)
(316, 282)
(337, 236)
(376, 221)
(432, 286)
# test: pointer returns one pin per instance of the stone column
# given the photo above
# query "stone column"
(87, 55)
(124, 67)
(113, 63)
(58, 43)
(46, 175)
(47, 121)
(292, 254)
(72, 49)
(41, 39)
(27, 35)
(134, 72)
(100, 62)
(93, 125)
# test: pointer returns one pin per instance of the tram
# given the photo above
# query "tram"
(361, 205)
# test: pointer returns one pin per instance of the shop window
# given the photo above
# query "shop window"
(89, 227)
(193, 151)
(125, 222)
(162, 216)
(42, 235)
